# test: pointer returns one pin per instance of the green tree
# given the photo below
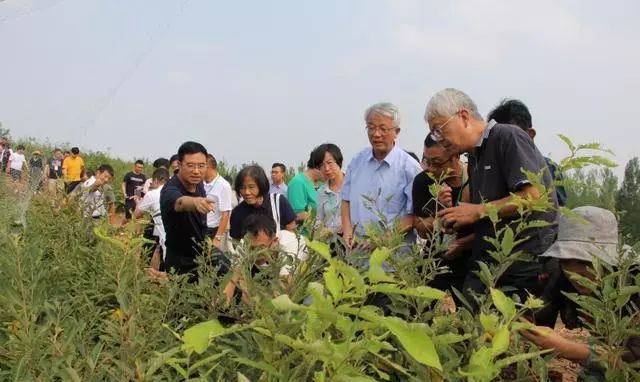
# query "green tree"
(628, 201)
(595, 187)
(4, 132)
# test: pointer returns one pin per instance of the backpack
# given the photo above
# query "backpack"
(275, 210)
(290, 243)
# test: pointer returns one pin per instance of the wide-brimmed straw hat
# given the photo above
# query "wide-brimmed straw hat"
(594, 235)
(37, 152)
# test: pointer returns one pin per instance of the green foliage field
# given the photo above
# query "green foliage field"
(78, 305)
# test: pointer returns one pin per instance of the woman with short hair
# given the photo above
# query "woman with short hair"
(252, 185)
(302, 190)
(328, 219)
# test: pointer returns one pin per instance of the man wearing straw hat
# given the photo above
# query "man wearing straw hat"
(36, 171)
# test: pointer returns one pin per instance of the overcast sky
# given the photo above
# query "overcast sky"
(269, 80)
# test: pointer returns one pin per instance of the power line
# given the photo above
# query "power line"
(108, 98)
(27, 12)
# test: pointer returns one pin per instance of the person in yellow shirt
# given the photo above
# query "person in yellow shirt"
(73, 169)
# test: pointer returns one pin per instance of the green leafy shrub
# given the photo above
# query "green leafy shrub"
(78, 305)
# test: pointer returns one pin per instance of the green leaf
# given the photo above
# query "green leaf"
(421, 291)
(242, 377)
(284, 303)
(504, 304)
(491, 210)
(489, 322)
(376, 273)
(258, 365)
(322, 306)
(415, 340)
(382, 376)
(481, 366)
(73, 374)
(624, 296)
(500, 341)
(352, 279)
(160, 359)
(197, 337)
(321, 248)
(517, 326)
(485, 274)
(519, 358)
(412, 336)
(352, 378)
(507, 241)
(449, 339)
(108, 239)
(462, 298)
(333, 282)
(572, 215)
(568, 142)
(585, 282)
(209, 359)
(263, 331)
(536, 224)
(534, 302)
(174, 363)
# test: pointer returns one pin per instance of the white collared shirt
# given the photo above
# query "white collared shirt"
(219, 190)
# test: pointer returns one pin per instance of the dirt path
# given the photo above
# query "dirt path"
(565, 370)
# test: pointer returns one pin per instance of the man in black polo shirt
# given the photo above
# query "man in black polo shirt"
(132, 185)
(497, 155)
(515, 112)
(54, 166)
(184, 208)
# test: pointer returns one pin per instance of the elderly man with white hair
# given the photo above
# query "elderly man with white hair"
(379, 178)
(498, 154)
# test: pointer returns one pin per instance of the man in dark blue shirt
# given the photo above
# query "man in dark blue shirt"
(184, 208)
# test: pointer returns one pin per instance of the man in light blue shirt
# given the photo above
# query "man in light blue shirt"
(278, 186)
(379, 178)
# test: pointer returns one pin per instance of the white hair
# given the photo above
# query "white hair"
(448, 102)
(385, 109)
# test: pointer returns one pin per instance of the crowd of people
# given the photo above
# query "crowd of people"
(476, 164)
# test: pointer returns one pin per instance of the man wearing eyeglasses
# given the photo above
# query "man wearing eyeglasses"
(445, 171)
(498, 154)
(379, 178)
(184, 208)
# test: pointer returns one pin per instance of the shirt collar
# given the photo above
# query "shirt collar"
(390, 159)
(485, 133)
(325, 188)
(183, 188)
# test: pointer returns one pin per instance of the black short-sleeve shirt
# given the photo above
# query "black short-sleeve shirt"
(244, 210)
(421, 195)
(133, 181)
(185, 230)
(55, 168)
(495, 170)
